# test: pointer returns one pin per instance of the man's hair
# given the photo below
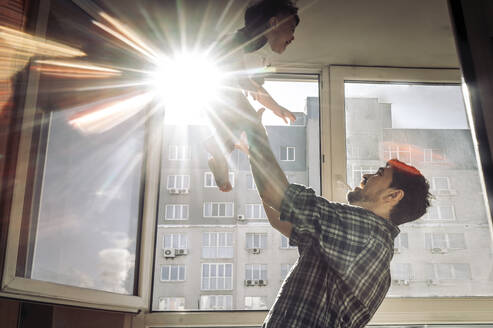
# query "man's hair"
(257, 17)
(416, 193)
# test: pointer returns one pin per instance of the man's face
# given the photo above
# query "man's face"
(372, 187)
(281, 35)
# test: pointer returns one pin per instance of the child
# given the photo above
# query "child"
(266, 21)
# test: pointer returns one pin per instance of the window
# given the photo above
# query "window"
(256, 303)
(176, 212)
(285, 268)
(218, 210)
(251, 182)
(448, 271)
(440, 212)
(402, 153)
(256, 272)
(175, 240)
(255, 211)
(256, 240)
(217, 245)
(210, 182)
(179, 153)
(441, 242)
(217, 276)
(216, 302)
(174, 272)
(401, 271)
(440, 183)
(433, 155)
(171, 304)
(287, 153)
(357, 173)
(401, 241)
(178, 182)
(285, 243)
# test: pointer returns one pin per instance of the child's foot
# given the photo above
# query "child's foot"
(219, 168)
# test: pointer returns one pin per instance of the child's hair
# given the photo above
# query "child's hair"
(257, 17)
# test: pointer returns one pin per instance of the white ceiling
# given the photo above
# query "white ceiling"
(401, 33)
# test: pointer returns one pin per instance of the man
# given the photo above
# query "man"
(342, 274)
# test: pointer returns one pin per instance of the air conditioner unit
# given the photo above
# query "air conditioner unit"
(431, 282)
(169, 252)
(404, 282)
(181, 251)
(438, 250)
(184, 191)
(254, 250)
(397, 250)
(249, 282)
(241, 217)
(173, 191)
(262, 282)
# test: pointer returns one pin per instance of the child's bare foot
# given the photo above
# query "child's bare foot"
(219, 168)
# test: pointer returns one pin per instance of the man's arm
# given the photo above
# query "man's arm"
(270, 179)
(283, 227)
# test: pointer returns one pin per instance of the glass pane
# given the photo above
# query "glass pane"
(211, 212)
(426, 126)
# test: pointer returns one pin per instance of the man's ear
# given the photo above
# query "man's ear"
(394, 196)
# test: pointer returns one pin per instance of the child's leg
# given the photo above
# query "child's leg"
(218, 162)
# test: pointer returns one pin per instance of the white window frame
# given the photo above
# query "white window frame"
(439, 207)
(285, 240)
(260, 269)
(182, 177)
(429, 157)
(287, 148)
(452, 271)
(173, 207)
(179, 152)
(209, 176)
(179, 267)
(252, 208)
(216, 264)
(250, 182)
(392, 151)
(218, 246)
(167, 299)
(251, 297)
(219, 204)
(13, 286)
(446, 236)
(225, 299)
(398, 242)
(393, 310)
(285, 268)
(182, 240)
(251, 235)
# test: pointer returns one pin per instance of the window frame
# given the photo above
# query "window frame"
(175, 176)
(209, 174)
(174, 206)
(179, 266)
(13, 286)
(225, 216)
(287, 148)
(393, 310)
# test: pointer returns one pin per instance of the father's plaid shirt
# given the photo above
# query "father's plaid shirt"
(342, 274)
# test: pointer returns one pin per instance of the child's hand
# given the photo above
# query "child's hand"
(284, 114)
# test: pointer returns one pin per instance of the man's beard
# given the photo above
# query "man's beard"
(357, 196)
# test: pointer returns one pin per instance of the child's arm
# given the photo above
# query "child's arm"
(263, 97)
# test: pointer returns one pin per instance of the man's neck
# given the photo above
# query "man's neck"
(378, 210)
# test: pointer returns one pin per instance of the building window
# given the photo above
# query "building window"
(217, 245)
(401, 152)
(210, 182)
(255, 303)
(285, 267)
(256, 271)
(178, 182)
(176, 212)
(452, 271)
(440, 212)
(218, 210)
(441, 242)
(287, 153)
(440, 183)
(256, 240)
(401, 272)
(171, 304)
(401, 241)
(251, 182)
(179, 153)
(285, 243)
(217, 276)
(173, 272)
(358, 172)
(216, 302)
(175, 240)
(432, 155)
(255, 211)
